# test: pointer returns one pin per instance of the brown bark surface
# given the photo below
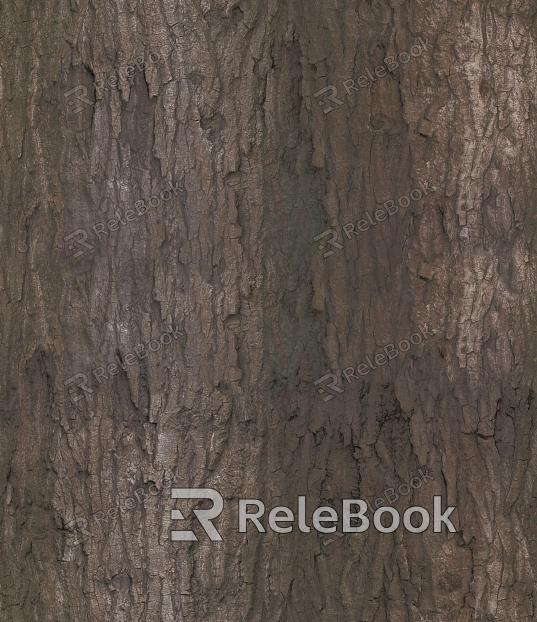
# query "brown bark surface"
(226, 117)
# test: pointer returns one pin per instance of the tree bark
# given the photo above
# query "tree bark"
(202, 170)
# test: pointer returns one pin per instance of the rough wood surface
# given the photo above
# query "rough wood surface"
(224, 114)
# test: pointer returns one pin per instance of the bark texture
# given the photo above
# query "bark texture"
(229, 117)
